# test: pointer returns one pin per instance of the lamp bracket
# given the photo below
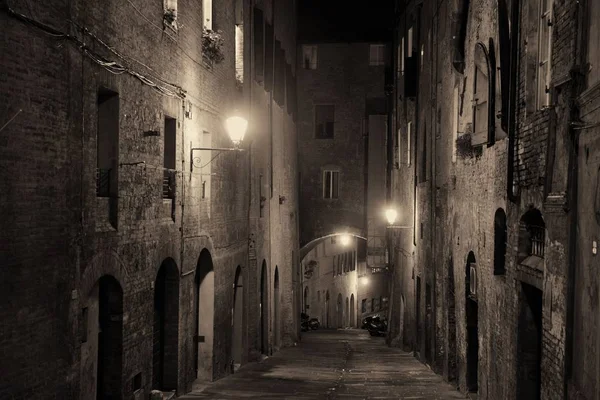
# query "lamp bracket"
(209, 148)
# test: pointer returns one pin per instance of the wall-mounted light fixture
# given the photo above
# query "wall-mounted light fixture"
(236, 129)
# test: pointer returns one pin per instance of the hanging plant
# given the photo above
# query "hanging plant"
(464, 146)
(212, 45)
(170, 17)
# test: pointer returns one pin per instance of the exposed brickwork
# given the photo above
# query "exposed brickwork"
(57, 241)
(455, 202)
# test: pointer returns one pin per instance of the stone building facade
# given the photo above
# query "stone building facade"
(131, 259)
(492, 128)
(342, 125)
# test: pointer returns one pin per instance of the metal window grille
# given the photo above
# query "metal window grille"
(168, 190)
(102, 182)
(537, 236)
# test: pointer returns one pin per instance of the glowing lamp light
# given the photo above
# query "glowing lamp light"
(391, 215)
(345, 239)
(236, 128)
(365, 280)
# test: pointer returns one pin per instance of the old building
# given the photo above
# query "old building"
(494, 180)
(330, 282)
(342, 127)
(133, 256)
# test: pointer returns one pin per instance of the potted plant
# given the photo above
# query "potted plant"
(170, 18)
(212, 46)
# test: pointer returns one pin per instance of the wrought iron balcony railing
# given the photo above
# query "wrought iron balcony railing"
(102, 182)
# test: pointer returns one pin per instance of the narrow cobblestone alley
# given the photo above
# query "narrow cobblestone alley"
(328, 364)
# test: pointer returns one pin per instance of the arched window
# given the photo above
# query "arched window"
(500, 239)
(484, 89)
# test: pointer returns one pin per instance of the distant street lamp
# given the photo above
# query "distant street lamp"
(345, 239)
(391, 215)
(235, 126)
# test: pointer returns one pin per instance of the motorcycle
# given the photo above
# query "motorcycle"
(377, 326)
(313, 324)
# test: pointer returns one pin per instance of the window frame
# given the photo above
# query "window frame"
(544, 54)
(328, 191)
(313, 59)
(379, 59)
(316, 135)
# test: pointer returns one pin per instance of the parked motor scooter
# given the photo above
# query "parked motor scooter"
(377, 327)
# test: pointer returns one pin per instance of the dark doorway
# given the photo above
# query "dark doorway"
(472, 325)
(451, 321)
(327, 309)
(204, 312)
(237, 344)
(428, 324)
(166, 322)
(264, 318)
(339, 311)
(306, 307)
(110, 339)
(276, 322)
(418, 316)
(352, 312)
(530, 343)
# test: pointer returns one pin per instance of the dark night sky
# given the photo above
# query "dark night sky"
(337, 20)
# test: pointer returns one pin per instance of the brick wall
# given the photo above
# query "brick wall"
(60, 243)
(456, 201)
(344, 79)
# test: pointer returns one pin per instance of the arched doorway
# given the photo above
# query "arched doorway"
(166, 324)
(352, 312)
(472, 324)
(276, 323)
(529, 343)
(347, 313)
(339, 311)
(264, 316)
(326, 317)
(204, 294)
(102, 341)
(237, 345)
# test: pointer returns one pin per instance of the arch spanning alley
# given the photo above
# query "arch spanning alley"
(304, 250)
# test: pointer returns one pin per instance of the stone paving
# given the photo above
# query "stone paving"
(332, 364)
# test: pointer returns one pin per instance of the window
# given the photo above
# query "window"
(473, 279)
(409, 48)
(377, 54)
(363, 305)
(269, 55)
(170, 144)
(401, 57)
(207, 14)
(170, 13)
(259, 47)
(408, 140)
(239, 42)
(309, 56)
(532, 237)
(324, 121)
(107, 143)
(544, 54)
(500, 239)
(481, 96)
(593, 43)
(330, 184)
(372, 304)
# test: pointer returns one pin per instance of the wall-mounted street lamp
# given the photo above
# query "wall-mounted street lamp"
(391, 214)
(236, 129)
(345, 239)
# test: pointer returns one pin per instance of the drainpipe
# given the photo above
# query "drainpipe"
(512, 107)
(572, 196)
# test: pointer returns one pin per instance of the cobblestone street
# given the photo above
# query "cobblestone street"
(328, 364)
